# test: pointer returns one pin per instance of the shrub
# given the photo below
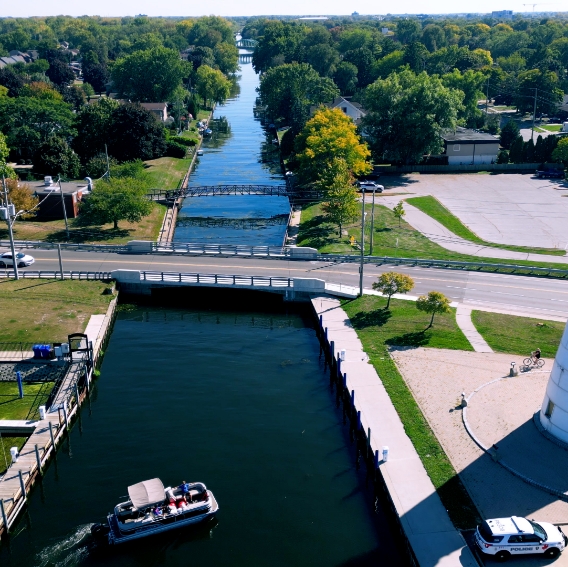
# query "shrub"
(176, 150)
(183, 141)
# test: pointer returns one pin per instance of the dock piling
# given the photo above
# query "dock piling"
(22, 485)
(51, 435)
(3, 512)
(38, 459)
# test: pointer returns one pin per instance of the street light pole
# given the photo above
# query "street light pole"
(362, 246)
(64, 209)
(372, 224)
(10, 233)
(534, 114)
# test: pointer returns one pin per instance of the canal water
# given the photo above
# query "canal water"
(239, 152)
(236, 399)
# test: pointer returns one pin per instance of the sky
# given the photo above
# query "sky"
(26, 8)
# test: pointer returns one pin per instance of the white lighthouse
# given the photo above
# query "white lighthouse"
(554, 411)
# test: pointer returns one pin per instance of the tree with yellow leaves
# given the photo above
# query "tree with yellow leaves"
(329, 136)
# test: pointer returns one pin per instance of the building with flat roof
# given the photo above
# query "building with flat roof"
(51, 201)
(468, 147)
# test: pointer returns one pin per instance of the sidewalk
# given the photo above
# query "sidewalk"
(439, 234)
(425, 521)
(463, 319)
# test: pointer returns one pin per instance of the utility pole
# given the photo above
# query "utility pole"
(60, 261)
(362, 246)
(108, 163)
(10, 233)
(486, 97)
(64, 209)
(372, 224)
(534, 114)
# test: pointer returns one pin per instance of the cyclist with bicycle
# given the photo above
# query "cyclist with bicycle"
(534, 360)
(536, 355)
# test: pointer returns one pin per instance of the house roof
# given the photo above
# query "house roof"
(467, 136)
(340, 100)
(161, 106)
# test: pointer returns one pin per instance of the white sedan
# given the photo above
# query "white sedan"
(6, 260)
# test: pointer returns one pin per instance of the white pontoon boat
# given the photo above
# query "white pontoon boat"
(153, 509)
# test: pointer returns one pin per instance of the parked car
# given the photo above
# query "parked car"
(370, 186)
(503, 537)
(550, 172)
(22, 260)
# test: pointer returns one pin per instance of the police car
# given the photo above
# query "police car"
(503, 537)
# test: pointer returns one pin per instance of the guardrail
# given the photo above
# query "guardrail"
(65, 246)
(56, 275)
(219, 249)
(217, 279)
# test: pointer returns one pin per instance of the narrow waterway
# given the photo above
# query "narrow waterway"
(238, 153)
(236, 399)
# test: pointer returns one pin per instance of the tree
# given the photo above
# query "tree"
(27, 122)
(470, 83)
(434, 302)
(55, 157)
(390, 283)
(279, 43)
(399, 212)
(5, 170)
(516, 151)
(289, 90)
(22, 197)
(115, 200)
(60, 73)
(560, 154)
(212, 85)
(340, 205)
(96, 75)
(406, 115)
(509, 133)
(151, 75)
(330, 135)
(11, 81)
(408, 31)
(135, 133)
(345, 78)
(546, 82)
(93, 128)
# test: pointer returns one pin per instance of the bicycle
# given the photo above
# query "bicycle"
(533, 362)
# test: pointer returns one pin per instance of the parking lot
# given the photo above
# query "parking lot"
(516, 209)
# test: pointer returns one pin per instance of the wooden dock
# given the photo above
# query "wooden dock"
(47, 433)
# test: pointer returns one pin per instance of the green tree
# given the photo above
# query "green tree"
(115, 200)
(560, 154)
(516, 151)
(345, 78)
(151, 75)
(399, 212)
(55, 157)
(5, 170)
(390, 283)
(28, 121)
(544, 81)
(93, 128)
(288, 91)
(340, 204)
(408, 30)
(135, 133)
(406, 115)
(212, 85)
(279, 43)
(434, 302)
(470, 83)
(329, 136)
(509, 133)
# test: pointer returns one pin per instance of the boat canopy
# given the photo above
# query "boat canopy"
(147, 492)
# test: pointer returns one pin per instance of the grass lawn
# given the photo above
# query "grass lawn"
(48, 310)
(166, 172)
(551, 127)
(390, 238)
(54, 231)
(433, 208)
(403, 324)
(12, 407)
(518, 335)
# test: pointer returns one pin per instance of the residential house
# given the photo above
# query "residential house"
(352, 109)
(468, 147)
(159, 109)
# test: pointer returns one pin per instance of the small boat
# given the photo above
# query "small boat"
(207, 132)
(153, 509)
(199, 152)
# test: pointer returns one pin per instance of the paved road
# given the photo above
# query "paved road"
(520, 295)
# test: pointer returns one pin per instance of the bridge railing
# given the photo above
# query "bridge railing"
(70, 246)
(56, 274)
(217, 279)
(220, 249)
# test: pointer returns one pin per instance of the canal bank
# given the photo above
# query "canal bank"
(236, 399)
